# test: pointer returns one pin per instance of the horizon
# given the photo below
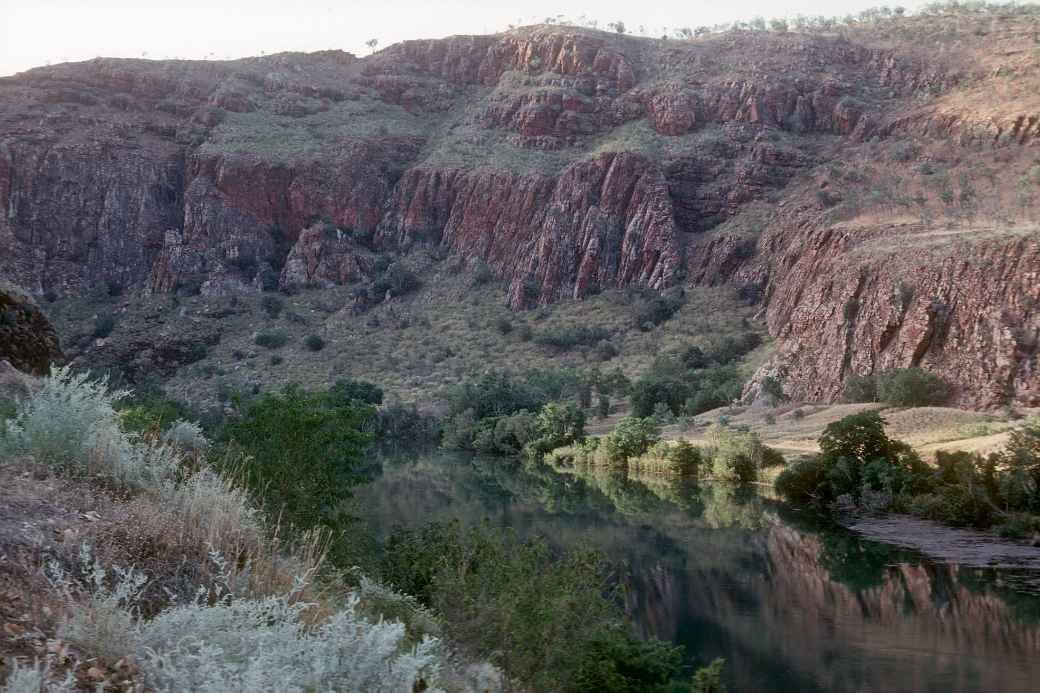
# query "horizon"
(48, 32)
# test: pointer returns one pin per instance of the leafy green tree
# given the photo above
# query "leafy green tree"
(559, 425)
(302, 455)
(630, 438)
(1019, 464)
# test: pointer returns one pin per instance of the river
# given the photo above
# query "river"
(792, 602)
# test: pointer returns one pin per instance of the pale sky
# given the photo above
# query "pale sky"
(38, 32)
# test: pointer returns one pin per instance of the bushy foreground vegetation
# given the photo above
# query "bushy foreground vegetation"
(256, 605)
(860, 468)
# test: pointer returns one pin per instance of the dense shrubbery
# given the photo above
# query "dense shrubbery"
(911, 387)
(397, 280)
(553, 426)
(496, 412)
(856, 458)
(544, 619)
(272, 305)
(650, 309)
(248, 623)
(901, 387)
(104, 323)
(272, 339)
(303, 452)
(566, 338)
(693, 381)
(860, 467)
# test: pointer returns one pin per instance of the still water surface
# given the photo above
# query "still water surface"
(794, 604)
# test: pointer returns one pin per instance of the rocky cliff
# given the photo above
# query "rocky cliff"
(567, 160)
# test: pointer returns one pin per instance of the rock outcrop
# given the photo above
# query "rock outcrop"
(27, 340)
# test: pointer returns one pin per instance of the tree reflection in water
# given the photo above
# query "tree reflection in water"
(791, 601)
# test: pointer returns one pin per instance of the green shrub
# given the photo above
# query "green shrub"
(857, 458)
(396, 281)
(911, 387)
(860, 388)
(272, 305)
(771, 457)
(603, 407)
(503, 325)
(273, 339)
(567, 338)
(104, 323)
(773, 389)
(482, 275)
(631, 437)
(686, 457)
(959, 506)
(805, 482)
(651, 310)
(558, 425)
(314, 342)
(348, 391)
(735, 455)
(276, 359)
(149, 411)
(605, 351)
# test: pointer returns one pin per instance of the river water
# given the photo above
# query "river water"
(792, 602)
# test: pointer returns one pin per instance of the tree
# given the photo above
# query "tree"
(559, 425)
(372, 43)
(302, 455)
(617, 26)
(630, 438)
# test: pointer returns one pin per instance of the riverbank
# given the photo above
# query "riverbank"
(964, 547)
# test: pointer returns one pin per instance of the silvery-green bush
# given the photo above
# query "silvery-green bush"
(186, 435)
(221, 642)
(36, 679)
(66, 420)
(71, 423)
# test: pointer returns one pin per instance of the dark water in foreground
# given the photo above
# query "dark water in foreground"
(792, 603)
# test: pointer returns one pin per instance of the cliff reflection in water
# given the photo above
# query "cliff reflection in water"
(791, 603)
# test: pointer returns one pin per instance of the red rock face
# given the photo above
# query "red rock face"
(855, 304)
(563, 158)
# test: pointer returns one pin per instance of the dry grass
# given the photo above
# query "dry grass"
(794, 429)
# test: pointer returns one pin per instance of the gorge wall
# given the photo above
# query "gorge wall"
(567, 160)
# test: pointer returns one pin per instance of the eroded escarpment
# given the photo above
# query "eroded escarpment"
(566, 160)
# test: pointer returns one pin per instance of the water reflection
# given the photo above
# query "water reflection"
(792, 603)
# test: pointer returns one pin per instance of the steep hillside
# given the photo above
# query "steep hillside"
(873, 184)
